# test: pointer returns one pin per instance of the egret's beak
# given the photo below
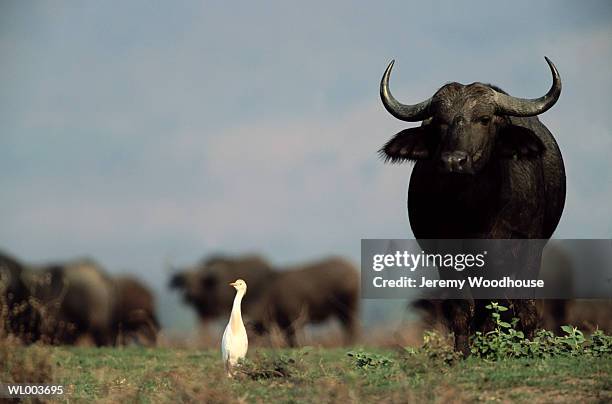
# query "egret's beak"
(233, 284)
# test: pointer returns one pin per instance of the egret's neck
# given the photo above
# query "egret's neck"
(236, 314)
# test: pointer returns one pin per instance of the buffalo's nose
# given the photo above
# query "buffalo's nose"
(456, 162)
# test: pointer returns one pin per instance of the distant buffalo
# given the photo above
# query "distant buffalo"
(311, 294)
(287, 298)
(557, 273)
(205, 286)
(77, 299)
(73, 299)
(134, 318)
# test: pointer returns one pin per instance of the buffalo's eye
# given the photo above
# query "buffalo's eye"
(484, 119)
(442, 125)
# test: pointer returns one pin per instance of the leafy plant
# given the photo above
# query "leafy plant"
(368, 360)
(503, 341)
(438, 347)
(600, 344)
(507, 342)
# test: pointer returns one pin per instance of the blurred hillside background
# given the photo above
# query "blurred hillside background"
(147, 135)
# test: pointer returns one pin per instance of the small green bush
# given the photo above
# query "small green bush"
(367, 360)
(439, 348)
(507, 342)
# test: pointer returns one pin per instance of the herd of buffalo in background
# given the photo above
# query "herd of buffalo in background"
(65, 303)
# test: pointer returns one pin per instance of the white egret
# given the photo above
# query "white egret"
(235, 343)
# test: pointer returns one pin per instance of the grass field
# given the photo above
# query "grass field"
(321, 375)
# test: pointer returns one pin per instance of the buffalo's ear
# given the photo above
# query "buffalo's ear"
(409, 144)
(520, 142)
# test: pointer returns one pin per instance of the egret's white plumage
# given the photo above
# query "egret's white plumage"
(235, 343)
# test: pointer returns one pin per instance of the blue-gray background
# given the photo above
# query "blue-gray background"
(151, 133)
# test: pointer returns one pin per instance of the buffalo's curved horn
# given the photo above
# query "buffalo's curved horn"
(410, 113)
(508, 105)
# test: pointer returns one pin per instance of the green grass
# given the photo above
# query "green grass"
(322, 375)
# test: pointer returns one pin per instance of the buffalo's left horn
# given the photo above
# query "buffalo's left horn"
(508, 105)
(410, 113)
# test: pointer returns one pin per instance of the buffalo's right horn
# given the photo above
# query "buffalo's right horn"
(410, 113)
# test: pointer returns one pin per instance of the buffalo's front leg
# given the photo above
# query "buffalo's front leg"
(525, 308)
(527, 313)
(457, 313)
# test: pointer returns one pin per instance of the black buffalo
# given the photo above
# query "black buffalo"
(205, 286)
(486, 168)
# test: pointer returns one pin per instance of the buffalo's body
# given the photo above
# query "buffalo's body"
(520, 198)
(486, 168)
(589, 314)
(134, 315)
(311, 294)
(77, 299)
(73, 299)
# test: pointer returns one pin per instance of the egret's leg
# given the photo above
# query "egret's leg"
(228, 368)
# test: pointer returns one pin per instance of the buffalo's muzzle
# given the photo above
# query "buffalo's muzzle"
(456, 162)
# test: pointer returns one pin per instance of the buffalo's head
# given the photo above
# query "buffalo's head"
(464, 125)
(201, 288)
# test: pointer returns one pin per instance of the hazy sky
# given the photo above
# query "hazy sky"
(152, 132)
